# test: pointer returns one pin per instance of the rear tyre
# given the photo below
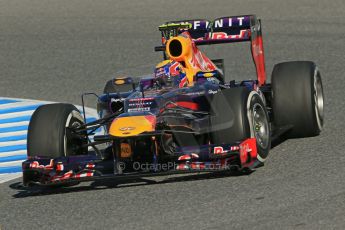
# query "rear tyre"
(298, 98)
(240, 114)
(50, 131)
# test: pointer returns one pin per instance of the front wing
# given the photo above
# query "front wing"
(206, 158)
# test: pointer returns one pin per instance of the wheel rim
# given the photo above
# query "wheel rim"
(318, 99)
(260, 125)
(71, 144)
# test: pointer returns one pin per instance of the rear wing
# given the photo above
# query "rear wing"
(222, 30)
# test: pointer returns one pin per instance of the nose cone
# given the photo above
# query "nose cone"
(132, 125)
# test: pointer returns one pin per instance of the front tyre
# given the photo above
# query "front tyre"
(240, 114)
(259, 126)
(50, 132)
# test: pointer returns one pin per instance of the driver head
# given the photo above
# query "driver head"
(170, 73)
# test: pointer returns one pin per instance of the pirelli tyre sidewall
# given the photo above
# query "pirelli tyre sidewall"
(233, 120)
(49, 132)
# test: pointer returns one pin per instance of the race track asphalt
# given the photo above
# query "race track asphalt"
(54, 50)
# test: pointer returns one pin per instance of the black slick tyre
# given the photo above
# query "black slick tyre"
(240, 114)
(49, 132)
(298, 98)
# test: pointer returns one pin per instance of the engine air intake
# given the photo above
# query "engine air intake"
(175, 48)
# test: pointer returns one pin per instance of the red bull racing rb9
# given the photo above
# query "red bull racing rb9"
(184, 118)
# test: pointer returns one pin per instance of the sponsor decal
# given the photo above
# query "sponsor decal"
(126, 128)
(197, 24)
(125, 150)
(36, 164)
(223, 35)
(210, 91)
(244, 152)
(195, 93)
(248, 150)
(142, 99)
(219, 150)
(141, 104)
(231, 22)
(117, 99)
(147, 109)
(220, 23)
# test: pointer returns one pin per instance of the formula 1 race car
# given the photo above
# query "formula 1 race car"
(185, 118)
